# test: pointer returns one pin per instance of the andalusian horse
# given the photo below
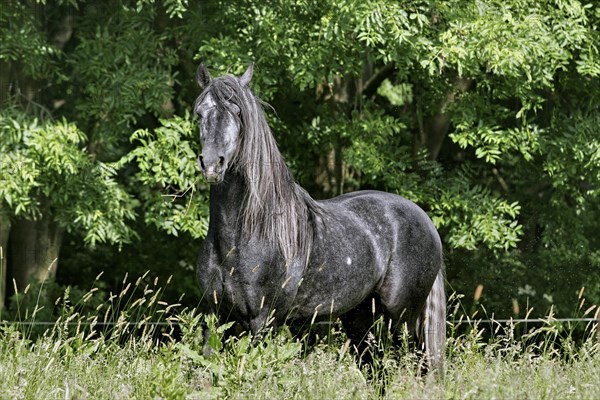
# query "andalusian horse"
(274, 255)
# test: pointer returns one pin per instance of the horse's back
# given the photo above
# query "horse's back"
(388, 216)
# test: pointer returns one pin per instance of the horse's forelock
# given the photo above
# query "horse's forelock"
(222, 90)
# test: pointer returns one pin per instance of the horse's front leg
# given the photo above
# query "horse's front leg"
(207, 350)
(262, 324)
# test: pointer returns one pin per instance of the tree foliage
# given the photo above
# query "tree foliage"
(483, 112)
(45, 171)
(167, 177)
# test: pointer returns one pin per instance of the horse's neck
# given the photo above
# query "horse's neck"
(226, 201)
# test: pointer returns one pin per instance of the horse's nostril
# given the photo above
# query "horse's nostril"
(221, 161)
(201, 162)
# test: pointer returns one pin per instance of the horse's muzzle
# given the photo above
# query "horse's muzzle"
(213, 177)
(212, 172)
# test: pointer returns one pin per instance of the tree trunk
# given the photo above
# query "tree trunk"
(4, 231)
(331, 177)
(4, 82)
(35, 246)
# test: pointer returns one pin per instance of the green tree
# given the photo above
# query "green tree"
(485, 113)
(50, 184)
(69, 104)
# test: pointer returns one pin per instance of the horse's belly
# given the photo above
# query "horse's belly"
(335, 284)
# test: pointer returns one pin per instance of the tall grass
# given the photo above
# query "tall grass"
(124, 347)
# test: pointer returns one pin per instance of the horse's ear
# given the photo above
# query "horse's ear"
(245, 79)
(202, 76)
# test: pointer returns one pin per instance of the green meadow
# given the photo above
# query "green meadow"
(128, 348)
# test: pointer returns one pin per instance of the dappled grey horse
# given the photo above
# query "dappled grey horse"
(274, 255)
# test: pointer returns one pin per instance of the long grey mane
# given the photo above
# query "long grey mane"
(275, 208)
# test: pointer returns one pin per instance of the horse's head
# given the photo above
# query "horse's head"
(219, 108)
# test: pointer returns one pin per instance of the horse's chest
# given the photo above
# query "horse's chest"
(237, 293)
(242, 289)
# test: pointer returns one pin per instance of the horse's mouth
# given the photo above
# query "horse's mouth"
(213, 177)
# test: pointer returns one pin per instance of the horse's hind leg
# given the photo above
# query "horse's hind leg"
(359, 322)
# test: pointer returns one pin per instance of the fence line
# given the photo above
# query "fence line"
(74, 323)
(532, 320)
(164, 323)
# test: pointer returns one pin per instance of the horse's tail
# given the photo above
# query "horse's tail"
(431, 324)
